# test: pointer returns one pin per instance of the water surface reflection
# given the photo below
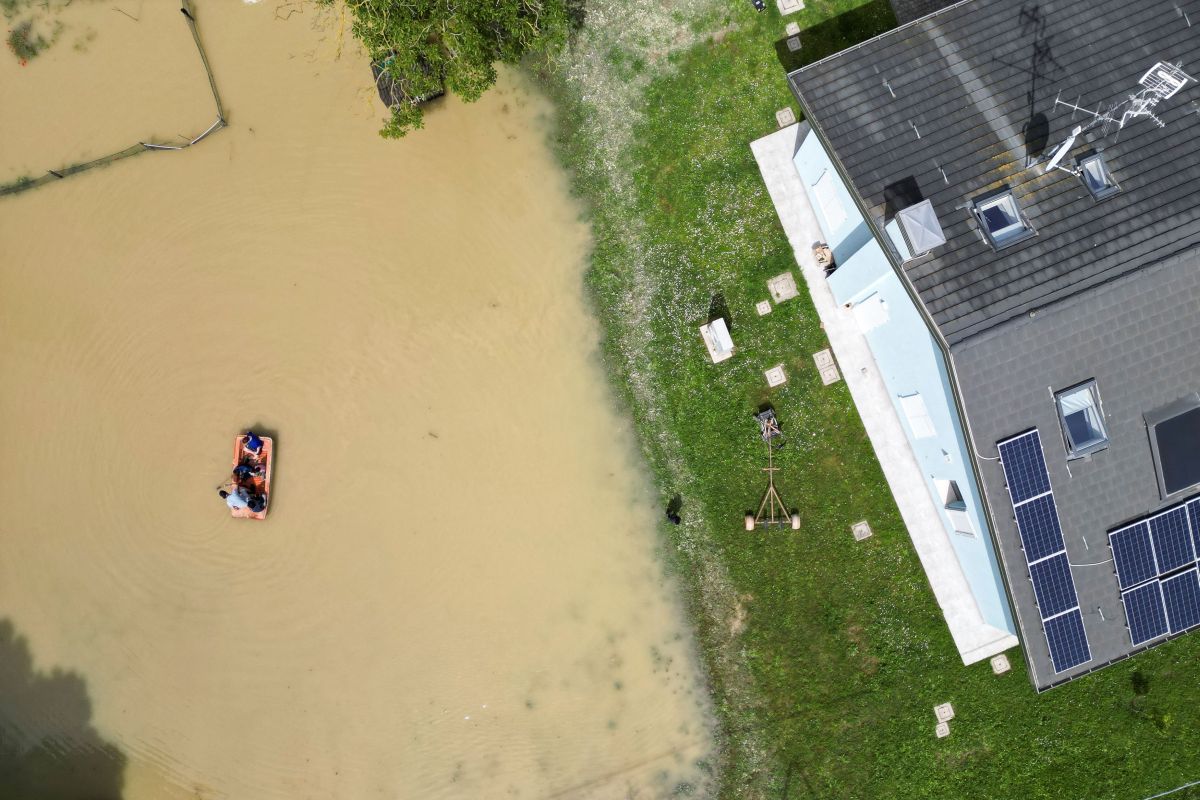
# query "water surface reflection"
(48, 746)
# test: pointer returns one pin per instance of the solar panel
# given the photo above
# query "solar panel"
(1145, 612)
(1181, 594)
(1045, 551)
(1068, 643)
(1172, 540)
(1037, 522)
(1053, 585)
(1193, 508)
(1024, 467)
(1133, 555)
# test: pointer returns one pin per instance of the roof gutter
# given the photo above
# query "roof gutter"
(943, 346)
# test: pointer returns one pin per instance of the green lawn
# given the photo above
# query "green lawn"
(825, 656)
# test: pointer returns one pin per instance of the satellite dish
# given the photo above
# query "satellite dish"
(1063, 149)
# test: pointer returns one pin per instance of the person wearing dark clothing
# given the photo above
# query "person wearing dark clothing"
(673, 509)
(253, 443)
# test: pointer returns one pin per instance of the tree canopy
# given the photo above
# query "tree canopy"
(425, 47)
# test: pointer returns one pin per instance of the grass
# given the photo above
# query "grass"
(824, 657)
(28, 19)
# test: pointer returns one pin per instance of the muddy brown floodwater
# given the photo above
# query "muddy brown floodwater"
(456, 594)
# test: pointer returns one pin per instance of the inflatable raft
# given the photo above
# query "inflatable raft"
(259, 481)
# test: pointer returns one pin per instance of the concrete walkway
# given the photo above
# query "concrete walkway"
(974, 638)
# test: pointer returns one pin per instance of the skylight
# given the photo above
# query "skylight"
(1082, 423)
(1097, 178)
(921, 227)
(1001, 219)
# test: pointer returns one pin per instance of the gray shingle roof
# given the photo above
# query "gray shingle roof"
(1139, 338)
(978, 82)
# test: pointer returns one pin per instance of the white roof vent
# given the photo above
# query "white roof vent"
(921, 227)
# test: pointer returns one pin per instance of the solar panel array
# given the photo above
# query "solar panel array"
(1157, 571)
(1044, 548)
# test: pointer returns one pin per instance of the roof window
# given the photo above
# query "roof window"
(1082, 422)
(1096, 177)
(1002, 220)
(954, 506)
(1175, 443)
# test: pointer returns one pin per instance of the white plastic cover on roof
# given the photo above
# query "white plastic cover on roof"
(921, 226)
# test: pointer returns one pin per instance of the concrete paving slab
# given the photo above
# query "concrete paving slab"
(826, 367)
(783, 287)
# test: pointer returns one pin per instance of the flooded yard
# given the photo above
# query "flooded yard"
(457, 592)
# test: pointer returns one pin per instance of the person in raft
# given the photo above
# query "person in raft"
(243, 471)
(253, 443)
(237, 499)
(257, 503)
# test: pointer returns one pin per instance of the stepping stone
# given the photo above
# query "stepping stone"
(783, 287)
(861, 530)
(1000, 664)
(792, 29)
(785, 117)
(775, 376)
(942, 730)
(826, 367)
(789, 6)
(763, 307)
(944, 712)
(793, 44)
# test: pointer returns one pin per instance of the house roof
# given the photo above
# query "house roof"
(975, 88)
(1139, 339)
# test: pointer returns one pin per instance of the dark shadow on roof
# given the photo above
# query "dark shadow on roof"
(900, 195)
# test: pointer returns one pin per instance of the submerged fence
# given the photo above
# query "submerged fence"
(23, 184)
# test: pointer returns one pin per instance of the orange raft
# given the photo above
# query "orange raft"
(254, 484)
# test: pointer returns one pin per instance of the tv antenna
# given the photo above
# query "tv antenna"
(1160, 82)
(1062, 151)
